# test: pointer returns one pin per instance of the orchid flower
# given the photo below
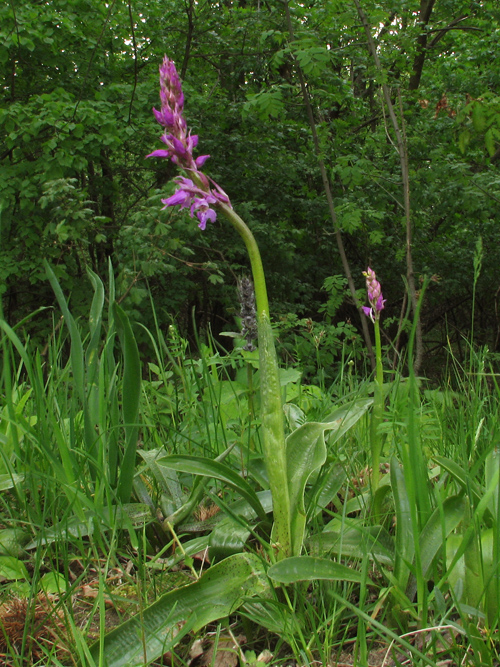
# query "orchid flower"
(198, 200)
(194, 193)
(377, 302)
(205, 198)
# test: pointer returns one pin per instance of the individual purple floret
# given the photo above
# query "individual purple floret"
(374, 295)
(199, 201)
(193, 192)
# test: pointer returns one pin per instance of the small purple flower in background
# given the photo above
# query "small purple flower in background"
(193, 193)
(374, 295)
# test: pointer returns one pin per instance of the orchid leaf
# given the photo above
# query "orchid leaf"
(345, 417)
(218, 593)
(273, 615)
(233, 530)
(325, 488)
(228, 538)
(166, 477)
(460, 476)
(198, 465)
(310, 568)
(442, 522)
(10, 481)
(374, 541)
(306, 453)
(405, 546)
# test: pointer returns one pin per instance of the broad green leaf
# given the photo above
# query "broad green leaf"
(218, 593)
(195, 496)
(405, 546)
(310, 568)
(227, 538)
(12, 568)
(198, 465)
(373, 541)
(289, 375)
(442, 522)
(325, 488)
(12, 541)
(466, 581)
(53, 583)
(233, 530)
(274, 616)
(305, 453)
(461, 476)
(345, 417)
(166, 477)
(9, 481)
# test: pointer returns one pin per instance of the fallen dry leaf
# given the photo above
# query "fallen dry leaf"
(227, 654)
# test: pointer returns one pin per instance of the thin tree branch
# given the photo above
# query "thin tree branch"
(426, 7)
(326, 185)
(134, 43)
(403, 159)
(94, 51)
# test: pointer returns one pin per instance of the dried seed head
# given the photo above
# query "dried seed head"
(248, 313)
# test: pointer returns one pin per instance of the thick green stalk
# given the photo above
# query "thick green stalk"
(271, 406)
(377, 415)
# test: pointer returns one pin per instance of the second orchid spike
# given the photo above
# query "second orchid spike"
(248, 312)
(375, 297)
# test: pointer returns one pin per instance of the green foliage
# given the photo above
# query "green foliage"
(76, 124)
(484, 116)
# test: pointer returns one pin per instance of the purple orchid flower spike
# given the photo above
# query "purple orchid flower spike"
(194, 193)
(377, 302)
(179, 142)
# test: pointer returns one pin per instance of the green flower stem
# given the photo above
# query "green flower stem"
(259, 281)
(377, 415)
(270, 389)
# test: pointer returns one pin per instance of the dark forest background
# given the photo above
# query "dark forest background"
(80, 78)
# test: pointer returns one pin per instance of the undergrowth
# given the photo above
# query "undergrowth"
(417, 584)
